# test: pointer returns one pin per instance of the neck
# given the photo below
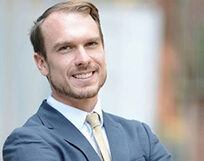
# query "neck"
(86, 104)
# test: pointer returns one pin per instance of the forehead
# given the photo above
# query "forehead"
(67, 20)
(65, 26)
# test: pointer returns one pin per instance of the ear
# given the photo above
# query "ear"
(41, 64)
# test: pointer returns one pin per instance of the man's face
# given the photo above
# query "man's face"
(75, 64)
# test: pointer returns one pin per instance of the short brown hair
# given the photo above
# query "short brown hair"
(36, 36)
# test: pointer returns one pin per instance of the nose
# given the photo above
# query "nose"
(82, 57)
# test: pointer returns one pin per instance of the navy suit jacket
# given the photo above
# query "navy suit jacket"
(49, 136)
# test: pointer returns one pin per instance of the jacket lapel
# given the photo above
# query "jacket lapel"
(54, 120)
(116, 138)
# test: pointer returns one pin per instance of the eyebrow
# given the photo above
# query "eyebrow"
(94, 39)
(59, 44)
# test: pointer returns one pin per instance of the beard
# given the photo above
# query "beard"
(66, 91)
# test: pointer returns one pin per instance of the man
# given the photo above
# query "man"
(69, 51)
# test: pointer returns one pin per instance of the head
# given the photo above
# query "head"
(69, 51)
(36, 36)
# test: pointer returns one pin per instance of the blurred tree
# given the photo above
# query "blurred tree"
(182, 89)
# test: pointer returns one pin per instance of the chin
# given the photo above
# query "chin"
(86, 93)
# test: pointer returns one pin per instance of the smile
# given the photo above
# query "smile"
(83, 76)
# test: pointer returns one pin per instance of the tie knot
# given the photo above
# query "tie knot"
(93, 120)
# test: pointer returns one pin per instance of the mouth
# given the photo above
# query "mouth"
(83, 75)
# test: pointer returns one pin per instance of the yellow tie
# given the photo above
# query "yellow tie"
(93, 120)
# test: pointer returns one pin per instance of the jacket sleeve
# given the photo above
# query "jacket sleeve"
(157, 151)
(25, 145)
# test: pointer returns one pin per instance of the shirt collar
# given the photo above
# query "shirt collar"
(76, 116)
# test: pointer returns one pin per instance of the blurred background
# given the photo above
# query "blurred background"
(155, 61)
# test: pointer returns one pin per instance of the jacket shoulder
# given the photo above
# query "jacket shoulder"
(126, 123)
(27, 144)
(140, 135)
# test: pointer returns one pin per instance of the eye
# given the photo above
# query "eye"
(66, 47)
(91, 44)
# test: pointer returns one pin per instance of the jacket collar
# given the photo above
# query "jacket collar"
(55, 121)
(116, 138)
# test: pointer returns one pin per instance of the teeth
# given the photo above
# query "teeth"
(83, 76)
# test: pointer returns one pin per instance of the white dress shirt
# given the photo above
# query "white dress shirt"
(78, 118)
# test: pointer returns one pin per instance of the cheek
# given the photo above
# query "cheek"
(102, 65)
(100, 58)
(103, 61)
(56, 69)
